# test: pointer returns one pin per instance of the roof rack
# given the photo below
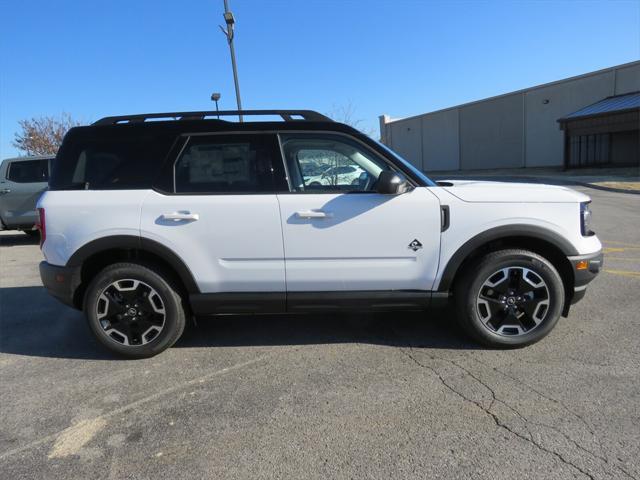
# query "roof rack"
(286, 115)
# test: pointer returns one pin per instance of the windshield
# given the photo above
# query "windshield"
(416, 171)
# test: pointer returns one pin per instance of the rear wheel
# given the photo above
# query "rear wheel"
(134, 310)
(509, 298)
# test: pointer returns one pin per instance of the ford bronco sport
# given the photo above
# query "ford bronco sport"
(150, 219)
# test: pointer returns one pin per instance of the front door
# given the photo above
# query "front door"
(340, 235)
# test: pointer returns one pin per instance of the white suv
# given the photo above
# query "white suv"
(146, 223)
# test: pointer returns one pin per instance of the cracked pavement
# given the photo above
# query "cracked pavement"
(346, 396)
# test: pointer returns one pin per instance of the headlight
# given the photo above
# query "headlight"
(585, 219)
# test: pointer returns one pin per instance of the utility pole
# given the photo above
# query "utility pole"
(230, 21)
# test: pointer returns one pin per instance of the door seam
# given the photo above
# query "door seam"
(284, 252)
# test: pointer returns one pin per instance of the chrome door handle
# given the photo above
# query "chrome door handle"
(180, 216)
(312, 214)
(5, 190)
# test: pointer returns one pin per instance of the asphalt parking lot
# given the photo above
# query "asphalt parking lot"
(380, 396)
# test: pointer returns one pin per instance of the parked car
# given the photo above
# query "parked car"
(147, 223)
(22, 181)
(312, 169)
(341, 175)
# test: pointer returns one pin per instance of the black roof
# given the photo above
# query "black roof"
(286, 115)
(201, 122)
(151, 126)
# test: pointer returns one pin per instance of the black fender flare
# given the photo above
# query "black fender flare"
(135, 243)
(497, 233)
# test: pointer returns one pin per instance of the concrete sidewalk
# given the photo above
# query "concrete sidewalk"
(622, 180)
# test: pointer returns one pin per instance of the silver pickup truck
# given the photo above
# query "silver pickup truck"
(22, 181)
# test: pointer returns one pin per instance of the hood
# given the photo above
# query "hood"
(509, 192)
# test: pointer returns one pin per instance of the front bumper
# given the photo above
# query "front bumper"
(60, 282)
(585, 269)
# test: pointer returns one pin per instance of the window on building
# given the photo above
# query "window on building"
(589, 150)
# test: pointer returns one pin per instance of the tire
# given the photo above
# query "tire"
(509, 298)
(134, 310)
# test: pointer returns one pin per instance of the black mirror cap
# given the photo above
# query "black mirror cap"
(392, 183)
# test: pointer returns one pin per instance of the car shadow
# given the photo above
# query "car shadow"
(345, 207)
(15, 239)
(34, 324)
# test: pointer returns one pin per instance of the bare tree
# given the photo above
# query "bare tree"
(347, 114)
(42, 135)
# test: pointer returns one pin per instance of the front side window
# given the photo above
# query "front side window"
(330, 163)
(229, 164)
(29, 171)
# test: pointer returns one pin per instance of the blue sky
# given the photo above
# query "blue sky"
(94, 58)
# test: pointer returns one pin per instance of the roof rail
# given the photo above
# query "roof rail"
(286, 115)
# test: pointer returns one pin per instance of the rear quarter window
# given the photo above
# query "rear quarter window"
(109, 160)
(28, 171)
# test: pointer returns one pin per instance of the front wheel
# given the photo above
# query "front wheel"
(134, 310)
(509, 298)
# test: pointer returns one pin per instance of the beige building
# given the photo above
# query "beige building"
(571, 122)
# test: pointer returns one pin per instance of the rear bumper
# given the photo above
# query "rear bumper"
(60, 282)
(585, 269)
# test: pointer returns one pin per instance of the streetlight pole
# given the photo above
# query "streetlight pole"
(215, 97)
(230, 21)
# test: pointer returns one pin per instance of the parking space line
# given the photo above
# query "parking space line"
(142, 401)
(624, 273)
(627, 244)
(618, 249)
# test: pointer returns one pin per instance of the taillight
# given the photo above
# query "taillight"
(41, 225)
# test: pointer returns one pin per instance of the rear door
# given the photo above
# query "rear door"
(342, 235)
(20, 187)
(220, 214)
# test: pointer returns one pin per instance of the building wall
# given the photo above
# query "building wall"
(628, 79)
(407, 139)
(491, 134)
(509, 131)
(544, 139)
(440, 135)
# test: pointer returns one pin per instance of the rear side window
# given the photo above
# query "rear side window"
(241, 163)
(29, 171)
(109, 161)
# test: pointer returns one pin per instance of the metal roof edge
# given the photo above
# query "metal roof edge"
(523, 90)
(598, 114)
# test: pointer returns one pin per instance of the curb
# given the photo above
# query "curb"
(608, 189)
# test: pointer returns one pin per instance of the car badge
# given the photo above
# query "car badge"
(415, 245)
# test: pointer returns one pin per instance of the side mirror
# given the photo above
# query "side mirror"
(391, 183)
